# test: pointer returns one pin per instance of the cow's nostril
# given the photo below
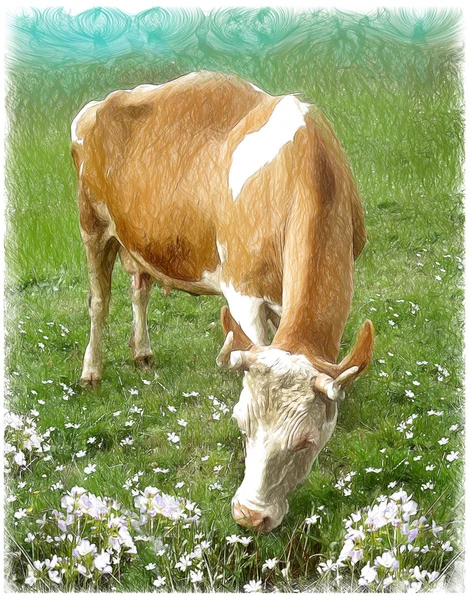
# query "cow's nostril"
(247, 517)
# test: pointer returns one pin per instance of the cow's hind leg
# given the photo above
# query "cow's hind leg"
(141, 287)
(101, 253)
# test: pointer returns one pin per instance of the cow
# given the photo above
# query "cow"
(209, 185)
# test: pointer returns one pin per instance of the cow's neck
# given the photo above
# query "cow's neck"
(317, 281)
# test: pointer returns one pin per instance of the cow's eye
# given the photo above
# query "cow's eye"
(303, 445)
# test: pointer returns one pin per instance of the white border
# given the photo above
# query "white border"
(132, 7)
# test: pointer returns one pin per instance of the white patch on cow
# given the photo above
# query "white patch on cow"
(146, 87)
(260, 147)
(281, 362)
(73, 127)
(254, 87)
(249, 312)
(222, 251)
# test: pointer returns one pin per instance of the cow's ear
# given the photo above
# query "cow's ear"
(240, 339)
(335, 386)
(361, 355)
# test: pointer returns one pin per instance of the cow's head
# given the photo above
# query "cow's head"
(287, 412)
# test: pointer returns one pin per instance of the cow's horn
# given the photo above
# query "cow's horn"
(334, 388)
(230, 360)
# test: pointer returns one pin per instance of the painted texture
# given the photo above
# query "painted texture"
(391, 85)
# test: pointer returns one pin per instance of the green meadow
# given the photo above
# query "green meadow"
(397, 107)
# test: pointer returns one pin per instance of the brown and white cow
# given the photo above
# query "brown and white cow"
(209, 185)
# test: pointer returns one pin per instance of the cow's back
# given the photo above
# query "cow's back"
(155, 157)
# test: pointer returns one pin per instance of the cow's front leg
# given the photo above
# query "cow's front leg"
(249, 312)
(141, 286)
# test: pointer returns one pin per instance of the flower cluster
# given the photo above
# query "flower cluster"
(385, 544)
(93, 536)
(23, 441)
(152, 503)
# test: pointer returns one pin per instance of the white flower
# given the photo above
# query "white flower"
(253, 586)
(184, 563)
(84, 548)
(329, 565)
(20, 459)
(196, 576)
(428, 486)
(189, 394)
(171, 408)
(436, 528)
(245, 541)
(409, 394)
(232, 539)
(311, 520)
(182, 422)
(30, 580)
(447, 546)
(368, 575)
(102, 562)
(55, 576)
(90, 469)
(150, 567)
(452, 456)
(159, 582)
(387, 560)
(409, 509)
(173, 437)
(443, 441)
(270, 563)
(21, 513)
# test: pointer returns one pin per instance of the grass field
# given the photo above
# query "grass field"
(397, 109)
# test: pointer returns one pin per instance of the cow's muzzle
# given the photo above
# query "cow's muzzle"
(259, 520)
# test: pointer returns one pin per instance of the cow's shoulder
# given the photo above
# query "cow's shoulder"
(332, 170)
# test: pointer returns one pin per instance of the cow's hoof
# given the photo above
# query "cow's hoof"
(91, 380)
(144, 361)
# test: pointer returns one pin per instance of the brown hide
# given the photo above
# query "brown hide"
(159, 160)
